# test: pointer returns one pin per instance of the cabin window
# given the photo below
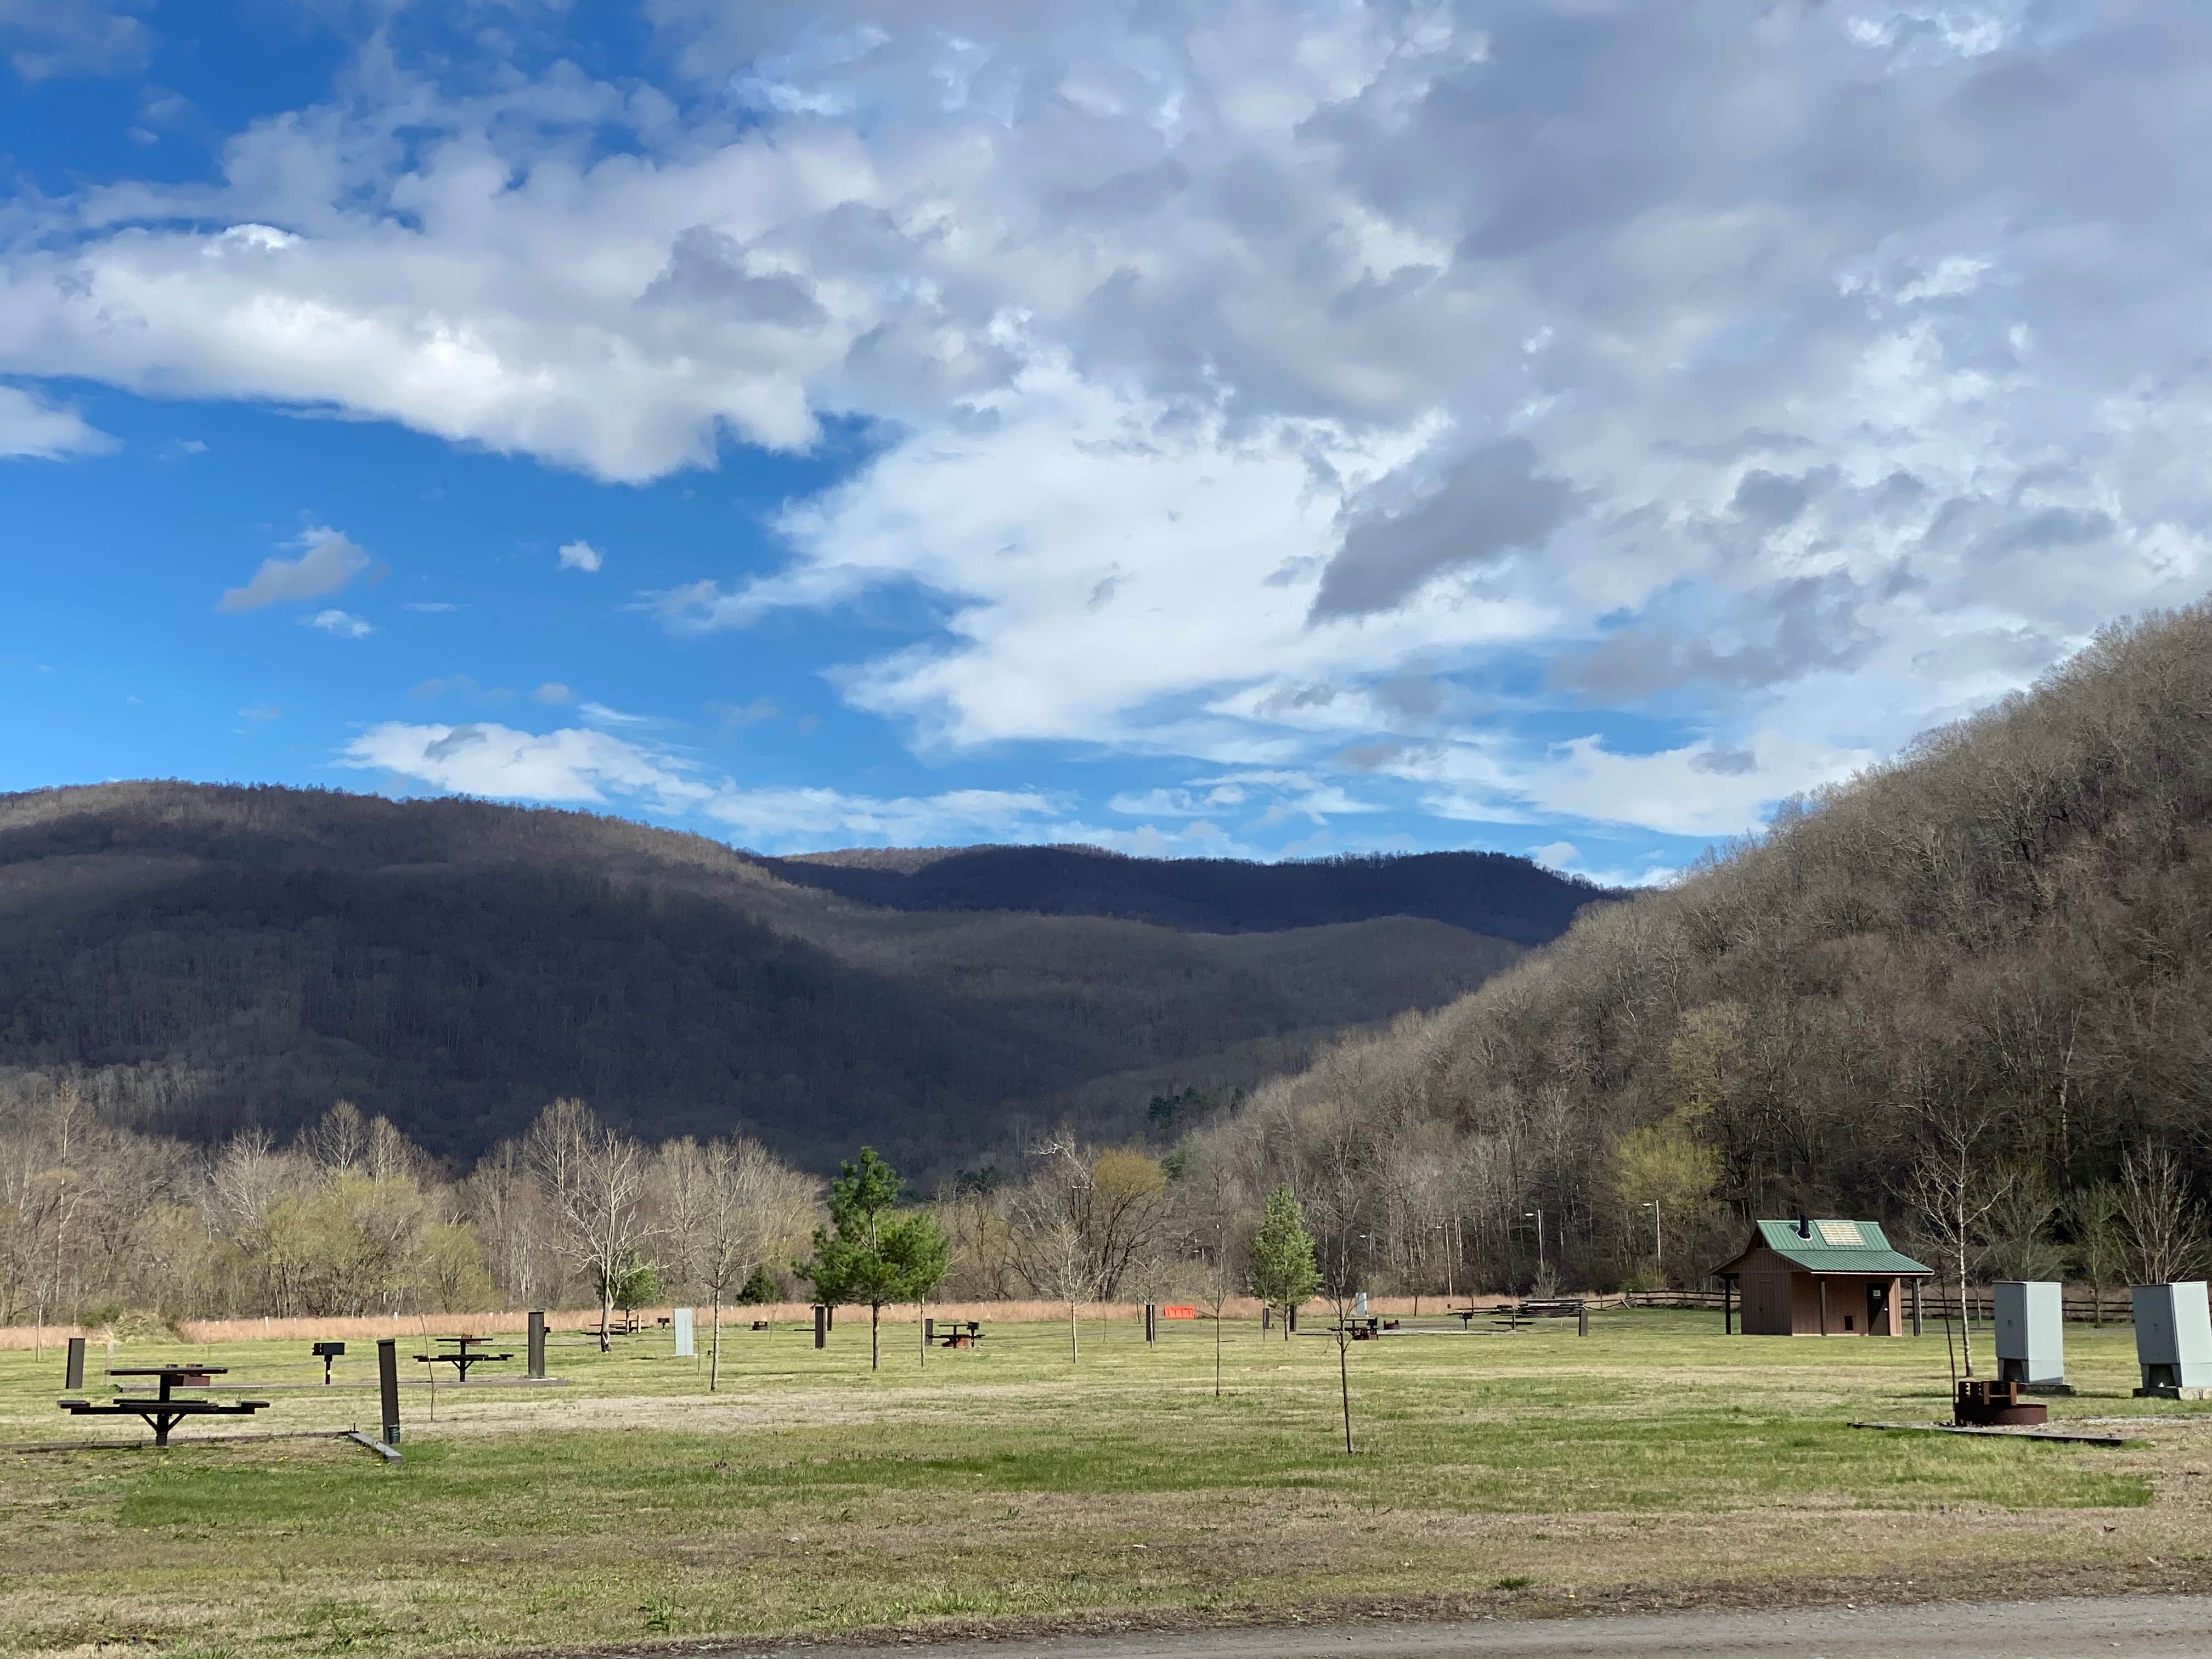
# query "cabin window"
(1847, 1322)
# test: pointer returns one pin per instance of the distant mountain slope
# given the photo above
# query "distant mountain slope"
(208, 957)
(1490, 893)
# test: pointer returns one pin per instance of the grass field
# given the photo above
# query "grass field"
(1654, 1463)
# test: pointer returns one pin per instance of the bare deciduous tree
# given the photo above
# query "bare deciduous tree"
(594, 1178)
(2164, 1225)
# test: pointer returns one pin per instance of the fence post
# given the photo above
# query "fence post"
(73, 1371)
(387, 1386)
(821, 1325)
(538, 1345)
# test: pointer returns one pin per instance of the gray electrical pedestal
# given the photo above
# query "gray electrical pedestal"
(2174, 1340)
(2031, 1335)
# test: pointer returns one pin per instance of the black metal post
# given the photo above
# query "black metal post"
(1916, 1307)
(1582, 1319)
(1152, 1327)
(73, 1370)
(387, 1386)
(1266, 1319)
(1823, 1284)
(821, 1326)
(1294, 1319)
(1727, 1307)
(538, 1345)
(928, 1330)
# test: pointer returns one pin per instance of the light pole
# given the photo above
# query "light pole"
(1537, 1216)
(1658, 1246)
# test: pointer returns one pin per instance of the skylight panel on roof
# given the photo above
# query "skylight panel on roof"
(1840, 1232)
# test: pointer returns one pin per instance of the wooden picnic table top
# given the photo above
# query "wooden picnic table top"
(168, 1370)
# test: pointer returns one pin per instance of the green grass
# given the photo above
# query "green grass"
(811, 1494)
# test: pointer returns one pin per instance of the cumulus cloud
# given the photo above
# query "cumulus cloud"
(1471, 369)
(582, 555)
(343, 624)
(328, 560)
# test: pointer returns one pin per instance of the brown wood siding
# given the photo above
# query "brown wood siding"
(1779, 1298)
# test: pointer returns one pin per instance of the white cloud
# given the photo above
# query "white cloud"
(577, 766)
(430, 607)
(582, 555)
(551, 692)
(31, 429)
(1237, 367)
(328, 561)
(343, 624)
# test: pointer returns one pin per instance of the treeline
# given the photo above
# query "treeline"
(1976, 984)
(104, 1225)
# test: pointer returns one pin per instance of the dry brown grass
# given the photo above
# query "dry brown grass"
(511, 1321)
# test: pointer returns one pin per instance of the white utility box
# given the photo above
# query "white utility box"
(2174, 1340)
(2031, 1335)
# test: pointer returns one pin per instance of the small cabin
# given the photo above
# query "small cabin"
(1821, 1277)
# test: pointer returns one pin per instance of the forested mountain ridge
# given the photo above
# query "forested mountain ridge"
(1489, 893)
(202, 957)
(1997, 950)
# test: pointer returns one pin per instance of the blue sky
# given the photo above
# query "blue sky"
(1228, 428)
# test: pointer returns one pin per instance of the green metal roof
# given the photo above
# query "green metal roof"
(1836, 1246)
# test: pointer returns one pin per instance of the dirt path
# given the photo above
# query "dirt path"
(2167, 1627)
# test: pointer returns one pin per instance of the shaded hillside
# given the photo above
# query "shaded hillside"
(218, 955)
(1489, 893)
(2005, 938)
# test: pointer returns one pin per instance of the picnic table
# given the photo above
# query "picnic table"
(620, 1325)
(954, 1333)
(464, 1354)
(1515, 1315)
(165, 1412)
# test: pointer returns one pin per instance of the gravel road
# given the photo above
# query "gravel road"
(2166, 1627)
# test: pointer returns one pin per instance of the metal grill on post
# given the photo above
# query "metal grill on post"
(538, 1345)
(73, 1369)
(821, 1326)
(387, 1386)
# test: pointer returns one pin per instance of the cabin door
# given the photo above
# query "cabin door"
(1877, 1303)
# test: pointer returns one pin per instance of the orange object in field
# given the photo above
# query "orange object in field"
(1178, 1313)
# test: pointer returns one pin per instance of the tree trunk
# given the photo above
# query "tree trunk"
(1343, 1382)
(715, 1349)
(921, 1335)
(606, 1317)
(1217, 1351)
(1072, 1347)
(875, 1341)
(1965, 1319)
